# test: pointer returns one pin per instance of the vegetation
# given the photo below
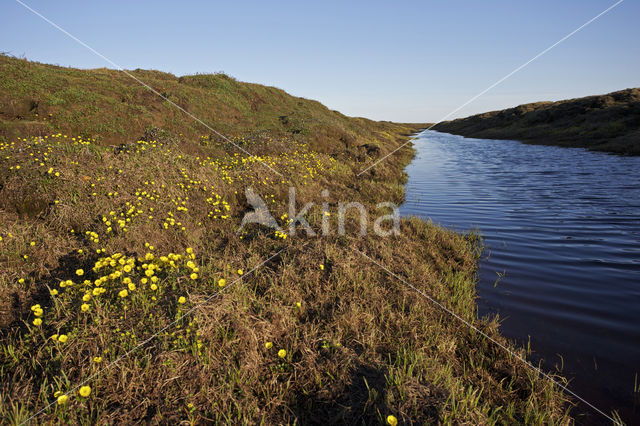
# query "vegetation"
(128, 295)
(609, 123)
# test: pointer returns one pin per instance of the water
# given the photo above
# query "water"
(563, 228)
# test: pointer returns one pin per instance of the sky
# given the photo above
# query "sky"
(407, 61)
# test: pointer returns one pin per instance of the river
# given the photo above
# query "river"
(562, 266)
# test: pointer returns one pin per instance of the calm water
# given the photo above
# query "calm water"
(563, 226)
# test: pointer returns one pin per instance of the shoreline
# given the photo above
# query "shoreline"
(250, 325)
(604, 123)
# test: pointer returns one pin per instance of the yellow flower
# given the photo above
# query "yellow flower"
(154, 287)
(298, 305)
(194, 276)
(86, 297)
(85, 391)
(132, 286)
(182, 299)
(123, 293)
(84, 307)
(37, 322)
(79, 272)
(282, 353)
(268, 345)
(97, 359)
(127, 268)
(63, 338)
(222, 282)
(54, 292)
(321, 267)
(62, 399)
(391, 420)
(240, 272)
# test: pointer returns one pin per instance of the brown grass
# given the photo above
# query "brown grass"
(359, 346)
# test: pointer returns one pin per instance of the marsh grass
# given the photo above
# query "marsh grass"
(358, 345)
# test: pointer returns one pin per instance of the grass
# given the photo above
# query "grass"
(170, 315)
(608, 123)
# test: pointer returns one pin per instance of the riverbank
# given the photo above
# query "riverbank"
(608, 123)
(129, 295)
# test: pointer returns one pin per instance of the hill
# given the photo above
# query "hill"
(609, 123)
(130, 292)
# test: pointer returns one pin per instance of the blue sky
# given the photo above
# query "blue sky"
(401, 60)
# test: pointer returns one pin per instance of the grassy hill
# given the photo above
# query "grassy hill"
(609, 123)
(129, 293)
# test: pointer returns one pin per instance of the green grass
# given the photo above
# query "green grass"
(360, 345)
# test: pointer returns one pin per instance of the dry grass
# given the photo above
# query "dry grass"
(358, 344)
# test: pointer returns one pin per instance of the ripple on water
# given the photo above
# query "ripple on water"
(564, 225)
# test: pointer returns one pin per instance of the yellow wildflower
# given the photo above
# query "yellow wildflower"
(123, 293)
(268, 345)
(85, 391)
(182, 299)
(282, 353)
(63, 399)
(63, 338)
(391, 420)
(222, 282)
(79, 272)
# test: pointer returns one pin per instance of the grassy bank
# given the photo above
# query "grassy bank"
(128, 294)
(609, 123)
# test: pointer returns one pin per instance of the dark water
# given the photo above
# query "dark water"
(563, 226)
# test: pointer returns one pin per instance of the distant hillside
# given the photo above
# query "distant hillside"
(608, 123)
